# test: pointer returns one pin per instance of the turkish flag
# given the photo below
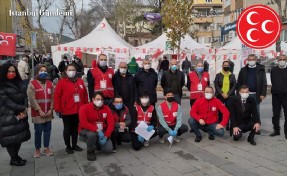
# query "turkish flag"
(8, 44)
(79, 54)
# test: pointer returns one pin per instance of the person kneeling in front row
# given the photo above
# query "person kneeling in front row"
(170, 118)
(96, 126)
(244, 115)
(204, 115)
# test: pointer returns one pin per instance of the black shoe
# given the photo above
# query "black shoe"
(251, 141)
(69, 150)
(77, 148)
(191, 130)
(275, 133)
(21, 159)
(211, 137)
(198, 138)
(258, 132)
(91, 155)
(16, 162)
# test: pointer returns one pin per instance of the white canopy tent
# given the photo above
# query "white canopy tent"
(102, 39)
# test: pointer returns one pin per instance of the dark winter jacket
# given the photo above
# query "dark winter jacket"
(13, 101)
(147, 81)
(261, 80)
(279, 81)
(218, 83)
(166, 81)
(164, 65)
(117, 81)
(186, 65)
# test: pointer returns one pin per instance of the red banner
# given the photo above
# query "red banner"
(8, 44)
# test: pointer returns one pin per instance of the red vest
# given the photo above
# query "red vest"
(169, 114)
(144, 116)
(103, 81)
(43, 96)
(123, 116)
(195, 92)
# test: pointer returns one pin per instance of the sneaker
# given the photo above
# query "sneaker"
(161, 140)
(198, 139)
(48, 152)
(146, 143)
(37, 154)
(251, 141)
(77, 148)
(176, 139)
(211, 137)
(69, 150)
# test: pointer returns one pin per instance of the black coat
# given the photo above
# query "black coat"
(147, 81)
(166, 81)
(279, 81)
(131, 87)
(13, 101)
(261, 80)
(238, 116)
(186, 65)
(218, 83)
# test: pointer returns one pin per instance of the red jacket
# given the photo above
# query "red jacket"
(65, 94)
(169, 114)
(89, 116)
(195, 93)
(207, 110)
(99, 76)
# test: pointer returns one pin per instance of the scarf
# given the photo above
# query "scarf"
(226, 82)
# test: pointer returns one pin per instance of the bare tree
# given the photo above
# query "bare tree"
(283, 16)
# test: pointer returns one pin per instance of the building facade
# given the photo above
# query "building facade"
(206, 28)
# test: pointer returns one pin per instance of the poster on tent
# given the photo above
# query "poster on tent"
(245, 52)
(118, 59)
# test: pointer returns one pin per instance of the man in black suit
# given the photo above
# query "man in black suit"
(244, 115)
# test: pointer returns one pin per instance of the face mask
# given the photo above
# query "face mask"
(173, 68)
(43, 75)
(199, 69)
(252, 63)
(71, 74)
(98, 103)
(244, 95)
(123, 70)
(144, 101)
(170, 99)
(208, 96)
(37, 55)
(11, 75)
(119, 106)
(226, 68)
(146, 66)
(103, 63)
(282, 64)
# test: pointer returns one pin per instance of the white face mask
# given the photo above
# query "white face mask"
(123, 70)
(98, 103)
(208, 96)
(146, 66)
(71, 74)
(144, 101)
(103, 63)
(252, 63)
(282, 64)
(244, 95)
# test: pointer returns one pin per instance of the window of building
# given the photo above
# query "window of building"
(208, 0)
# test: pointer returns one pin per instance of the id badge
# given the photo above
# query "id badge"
(49, 91)
(174, 114)
(199, 87)
(76, 98)
(103, 84)
(100, 125)
(149, 115)
(110, 76)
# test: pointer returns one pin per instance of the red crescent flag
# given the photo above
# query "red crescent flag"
(8, 44)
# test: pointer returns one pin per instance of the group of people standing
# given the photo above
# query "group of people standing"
(106, 113)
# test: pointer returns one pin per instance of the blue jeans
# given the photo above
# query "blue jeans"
(42, 128)
(210, 128)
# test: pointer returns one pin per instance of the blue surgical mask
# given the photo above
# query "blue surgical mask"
(119, 106)
(173, 68)
(43, 75)
(199, 69)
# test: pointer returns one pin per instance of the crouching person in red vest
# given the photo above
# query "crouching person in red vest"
(40, 94)
(204, 115)
(96, 126)
(143, 112)
(122, 122)
(170, 118)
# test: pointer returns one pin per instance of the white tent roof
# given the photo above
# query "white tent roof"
(103, 36)
(160, 42)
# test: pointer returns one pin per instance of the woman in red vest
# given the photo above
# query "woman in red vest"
(70, 95)
(196, 82)
(40, 95)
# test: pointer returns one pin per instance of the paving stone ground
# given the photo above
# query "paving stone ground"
(221, 157)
